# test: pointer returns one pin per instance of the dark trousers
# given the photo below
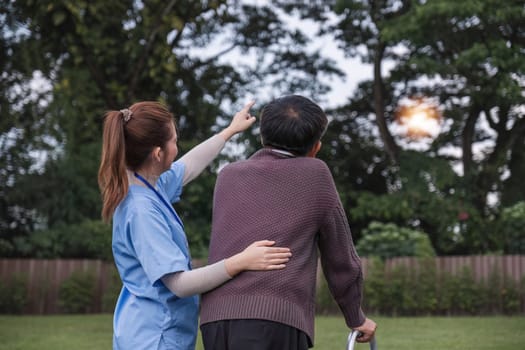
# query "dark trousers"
(252, 335)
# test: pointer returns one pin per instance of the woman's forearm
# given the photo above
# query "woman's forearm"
(187, 283)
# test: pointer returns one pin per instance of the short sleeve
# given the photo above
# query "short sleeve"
(154, 245)
(171, 181)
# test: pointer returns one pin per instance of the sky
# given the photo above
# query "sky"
(341, 87)
(355, 70)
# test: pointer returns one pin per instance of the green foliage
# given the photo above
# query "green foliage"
(325, 303)
(112, 291)
(503, 294)
(359, 168)
(420, 290)
(13, 295)
(423, 289)
(195, 208)
(466, 298)
(89, 239)
(512, 229)
(76, 294)
(99, 55)
(389, 208)
(375, 287)
(6, 247)
(471, 54)
(388, 240)
(427, 196)
(511, 296)
(96, 56)
(443, 38)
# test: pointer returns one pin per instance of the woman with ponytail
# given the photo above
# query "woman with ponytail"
(139, 180)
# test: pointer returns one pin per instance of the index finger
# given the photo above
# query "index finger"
(247, 106)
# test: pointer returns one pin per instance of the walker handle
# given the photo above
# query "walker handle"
(351, 341)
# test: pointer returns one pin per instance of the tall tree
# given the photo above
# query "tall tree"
(469, 56)
(361, 24)
(474, 51)
(100, 55)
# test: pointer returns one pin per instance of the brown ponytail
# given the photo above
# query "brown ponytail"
(129, 136)
(112, 175)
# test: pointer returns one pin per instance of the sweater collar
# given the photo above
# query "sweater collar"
(280, 151)
(274, 152)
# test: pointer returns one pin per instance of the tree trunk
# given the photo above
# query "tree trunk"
(379, 106)
(467, 137)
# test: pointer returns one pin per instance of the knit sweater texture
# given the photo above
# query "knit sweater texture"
(294, 202)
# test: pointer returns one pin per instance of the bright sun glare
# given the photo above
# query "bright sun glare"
(419, 117)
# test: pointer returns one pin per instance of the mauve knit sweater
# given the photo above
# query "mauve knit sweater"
(293, 201)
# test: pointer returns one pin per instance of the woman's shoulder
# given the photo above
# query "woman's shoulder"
(174, 174)
(138, 201)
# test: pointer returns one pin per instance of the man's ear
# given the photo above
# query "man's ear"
(315, 149)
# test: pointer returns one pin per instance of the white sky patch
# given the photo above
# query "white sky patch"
(341, 88)
(38, 89)
(33, 91)
(354, 70)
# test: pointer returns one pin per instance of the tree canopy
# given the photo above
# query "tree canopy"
(64, 63)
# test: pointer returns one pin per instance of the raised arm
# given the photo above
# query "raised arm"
(198, 158)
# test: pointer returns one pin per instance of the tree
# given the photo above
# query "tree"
(362, 24)
(474, 51)
(99, 55)
(470, 54)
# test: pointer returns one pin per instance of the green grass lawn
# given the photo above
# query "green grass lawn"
(93, 332)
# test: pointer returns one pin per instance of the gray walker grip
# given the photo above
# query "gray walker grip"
(351, 341)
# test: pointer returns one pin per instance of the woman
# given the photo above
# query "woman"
(158, 305)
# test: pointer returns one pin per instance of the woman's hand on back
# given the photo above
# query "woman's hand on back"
(258, 256)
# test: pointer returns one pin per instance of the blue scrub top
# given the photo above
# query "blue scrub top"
(148, 243)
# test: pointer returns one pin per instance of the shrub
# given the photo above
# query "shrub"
(421, 290)
(89, 239)
(510, 296)
(512, 229)
(502, 294)
(76, 294)
(467, 293)
(375, 286)
(6, 247)
(424, 288)
(395, 292)
(110, 296)
(13, 295)
(325, 303)
(445, 297)
(389, 240)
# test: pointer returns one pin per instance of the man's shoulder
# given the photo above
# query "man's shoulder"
(313, 162)
(305, 165)
(234, 165)
(311, 165)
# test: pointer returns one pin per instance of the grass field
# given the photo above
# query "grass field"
(93, 332)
